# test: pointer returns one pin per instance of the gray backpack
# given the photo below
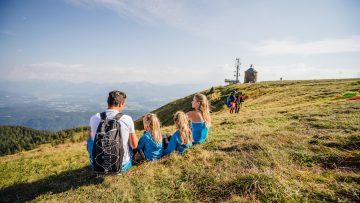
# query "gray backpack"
(108, 150)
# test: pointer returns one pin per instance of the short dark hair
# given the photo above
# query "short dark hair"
(116, 97)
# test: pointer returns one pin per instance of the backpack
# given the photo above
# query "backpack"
(228, 101)
(108, 150)
(242, 98)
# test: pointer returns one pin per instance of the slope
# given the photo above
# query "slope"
(291, 142)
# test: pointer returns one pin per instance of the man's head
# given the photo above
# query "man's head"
(116, 100)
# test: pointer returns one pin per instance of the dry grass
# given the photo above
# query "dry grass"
(292, 142)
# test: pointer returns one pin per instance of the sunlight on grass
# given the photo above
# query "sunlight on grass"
(291, 142)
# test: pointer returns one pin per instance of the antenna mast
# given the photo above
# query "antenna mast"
(236, 73)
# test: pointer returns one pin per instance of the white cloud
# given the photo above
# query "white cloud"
(171, 75)
(301, 71)
(105, 74)
(19, 50)
(326, 46)
(176, 14)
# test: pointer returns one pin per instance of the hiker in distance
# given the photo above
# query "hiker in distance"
(230, 102)
(238, 101)
(200, 118)
(112, 137)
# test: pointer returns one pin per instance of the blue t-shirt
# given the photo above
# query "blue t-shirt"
(151, 149)
(199, 132)
(175, 144)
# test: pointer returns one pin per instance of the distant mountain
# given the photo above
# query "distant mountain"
(56, 105)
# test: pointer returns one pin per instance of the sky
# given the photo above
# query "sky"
(178, 42)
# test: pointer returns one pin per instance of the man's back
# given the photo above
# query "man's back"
(127, 127)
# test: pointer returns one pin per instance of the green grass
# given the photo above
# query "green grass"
(291, 142)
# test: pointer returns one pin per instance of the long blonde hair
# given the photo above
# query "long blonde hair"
(204, 108)
(182, 124)
(153, 122)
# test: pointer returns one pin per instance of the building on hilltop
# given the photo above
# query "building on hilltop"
(250, 75)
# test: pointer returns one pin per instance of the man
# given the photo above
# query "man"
(238, 102)
(116, 103)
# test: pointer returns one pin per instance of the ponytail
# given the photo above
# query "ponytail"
(204, 108)
(182, 124)
(154, 124)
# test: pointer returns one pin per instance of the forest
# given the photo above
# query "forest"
(18, 138)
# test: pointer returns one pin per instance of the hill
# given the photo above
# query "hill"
(292, 142)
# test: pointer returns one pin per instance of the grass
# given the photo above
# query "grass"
(291, 142)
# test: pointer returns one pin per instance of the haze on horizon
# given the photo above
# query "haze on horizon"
(177, 42)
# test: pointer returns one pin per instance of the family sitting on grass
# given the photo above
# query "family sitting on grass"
(113, 145)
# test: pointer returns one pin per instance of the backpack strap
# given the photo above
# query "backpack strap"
(118, 116)
(103, 115)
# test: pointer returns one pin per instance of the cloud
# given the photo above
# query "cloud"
(170, 75)
(301, 71)
(148, 11)
(177, 14)
(109, 74)
(19, 50)
(326, 46)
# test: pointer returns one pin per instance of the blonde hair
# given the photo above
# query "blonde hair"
(204, 108)
(153, 121)
(182, 124)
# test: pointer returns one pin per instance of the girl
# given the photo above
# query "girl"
(151, 141)
(181, 139)
(200, 118)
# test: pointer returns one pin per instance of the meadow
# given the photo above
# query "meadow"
(293, 141)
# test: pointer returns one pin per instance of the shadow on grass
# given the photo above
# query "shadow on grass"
(54, 184)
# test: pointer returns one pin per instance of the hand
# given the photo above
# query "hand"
(166, 135)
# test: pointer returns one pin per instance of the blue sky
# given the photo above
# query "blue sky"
(164, 41)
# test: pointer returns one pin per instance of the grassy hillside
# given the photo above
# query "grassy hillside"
(292, 142)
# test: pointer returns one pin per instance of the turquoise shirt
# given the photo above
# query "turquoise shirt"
(151, 149)
(199, 132)
(175, 144)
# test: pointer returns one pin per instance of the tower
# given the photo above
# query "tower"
(236, 73)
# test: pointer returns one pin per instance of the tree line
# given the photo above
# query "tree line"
(18, 138)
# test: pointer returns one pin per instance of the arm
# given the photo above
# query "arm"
(172, 145)
(142, 142)
(134, 140)
(94, 122)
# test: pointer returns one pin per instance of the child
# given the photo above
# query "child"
(200, 118)
(150, 144)
(181, 139)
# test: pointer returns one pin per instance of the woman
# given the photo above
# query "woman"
(181, 139)
(200, 118)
